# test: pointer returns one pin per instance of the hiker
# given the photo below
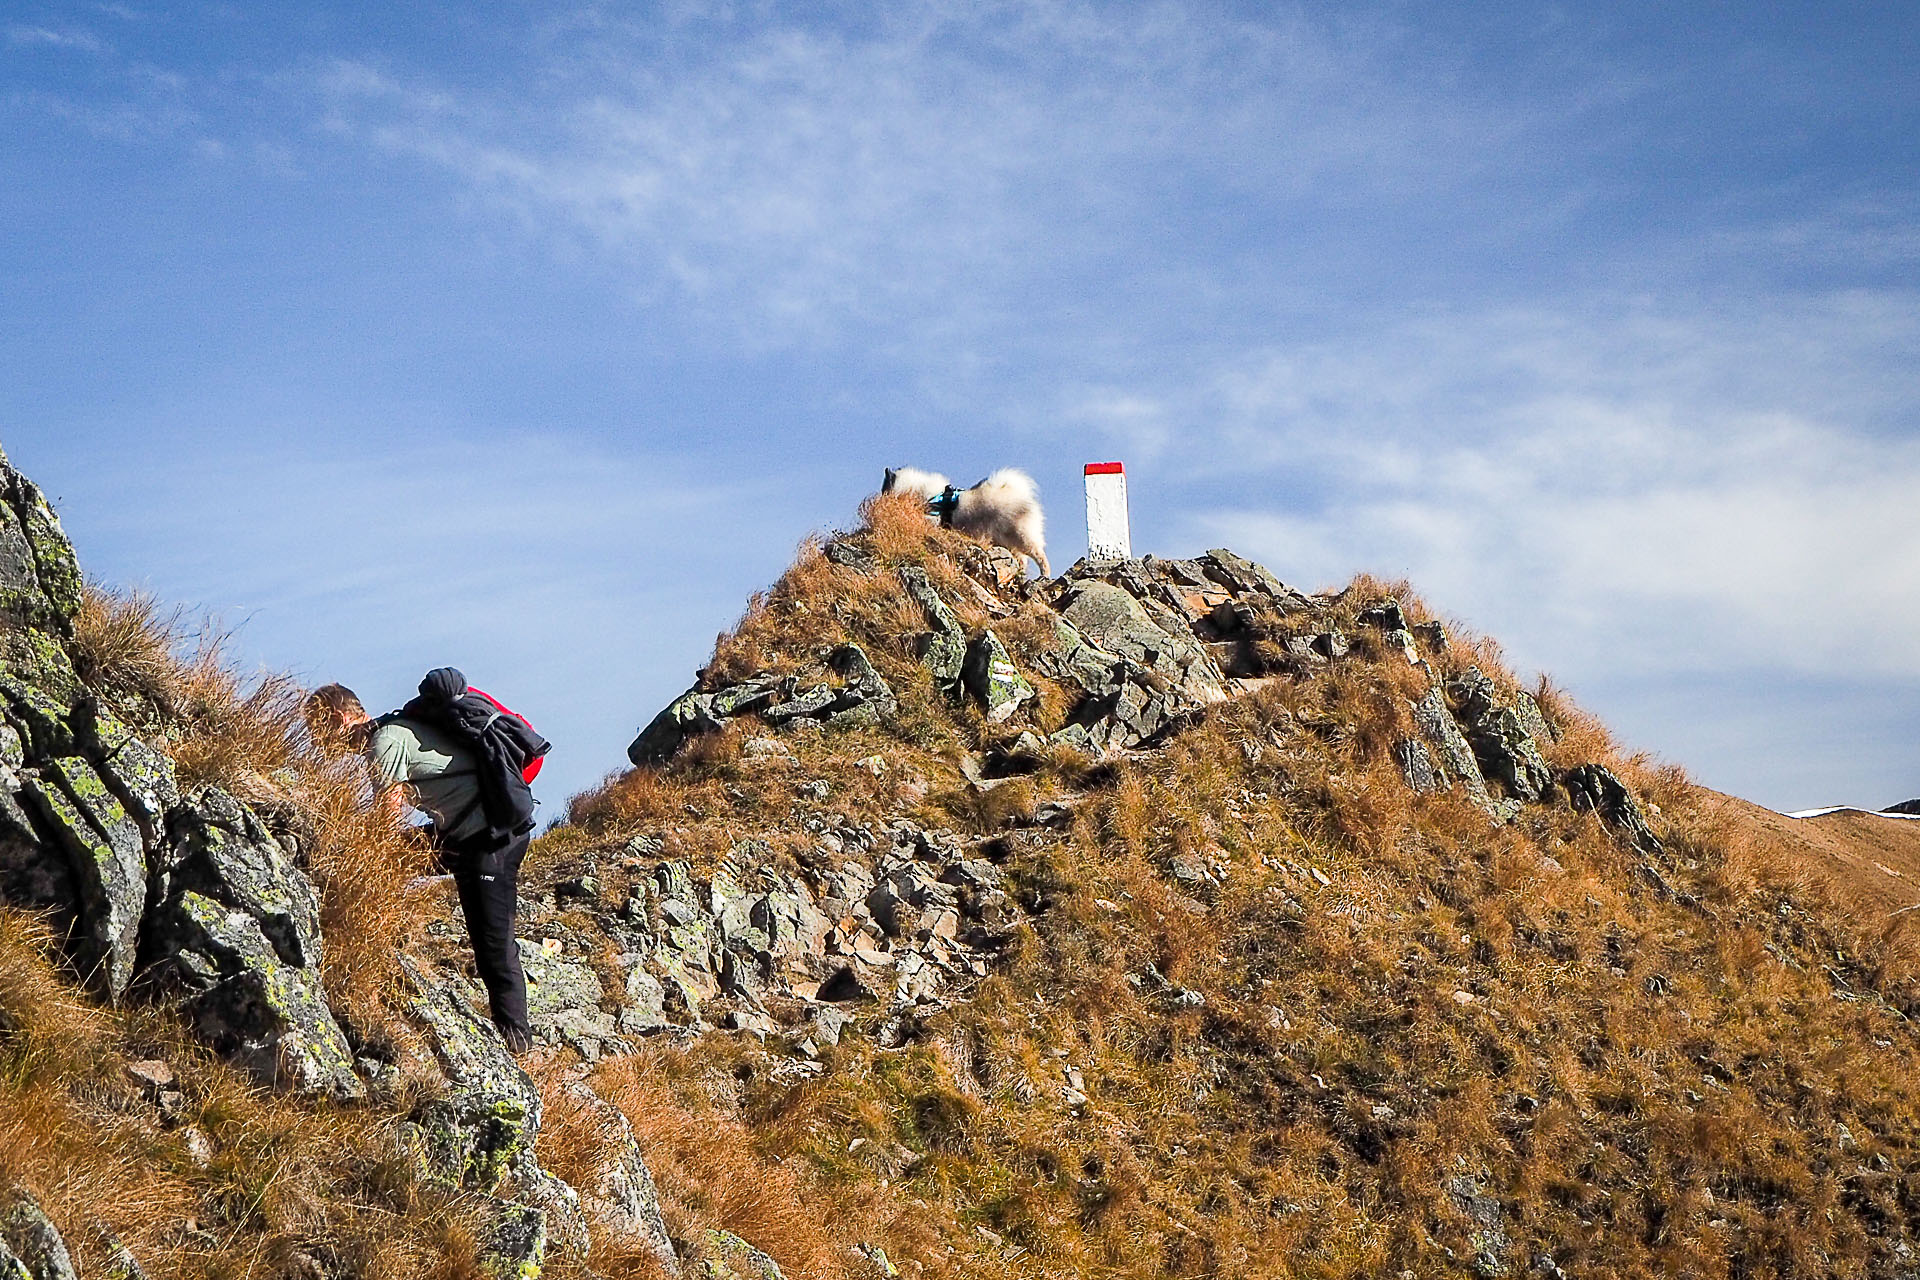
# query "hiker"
(465, 761)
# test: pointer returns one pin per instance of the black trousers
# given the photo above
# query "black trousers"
(489, 887)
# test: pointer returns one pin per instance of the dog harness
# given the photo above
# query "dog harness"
(944, 506)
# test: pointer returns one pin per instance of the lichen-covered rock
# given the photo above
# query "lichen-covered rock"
(944, 648)
(1487, 1230)
(142, 777)
(31, 1247)
(516, 1247)
(727, 1257)
(991, 677)
(223, 851)
(619, 1191)
(1593, 787)
(106, 856)
(246, 1001)
(491, 1113)
(687, 715)
(235, 939)
(40, 582)
(1506, 750)
(563, 1003)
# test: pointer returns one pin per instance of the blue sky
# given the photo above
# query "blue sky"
(533, 338)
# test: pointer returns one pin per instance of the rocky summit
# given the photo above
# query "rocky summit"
(1160, 919)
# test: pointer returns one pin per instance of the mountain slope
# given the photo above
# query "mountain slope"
(1156, 920)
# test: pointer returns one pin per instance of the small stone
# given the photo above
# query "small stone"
(1464, 997)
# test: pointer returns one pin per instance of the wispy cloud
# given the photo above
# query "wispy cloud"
(76, 40)
(802, 179)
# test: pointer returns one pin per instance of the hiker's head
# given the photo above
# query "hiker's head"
(336, 719)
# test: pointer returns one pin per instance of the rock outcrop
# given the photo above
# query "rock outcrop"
(31, 1247)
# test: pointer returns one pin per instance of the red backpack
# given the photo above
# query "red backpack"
(532, 770)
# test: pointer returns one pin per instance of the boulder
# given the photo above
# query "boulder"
(247, 1003)
(236, 941)
(991, 677)
(619, 1191)
(106, 854)
(516, 1246)
(1595, 789)
(1501, 741)
(31, 1247)
(473, 1136)
(726, 1256)
(1905, 806)
(944, 648)
(563, 1003)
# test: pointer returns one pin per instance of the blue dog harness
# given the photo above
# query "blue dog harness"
(944, 506)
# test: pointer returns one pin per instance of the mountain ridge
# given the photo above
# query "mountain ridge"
(1158, 919)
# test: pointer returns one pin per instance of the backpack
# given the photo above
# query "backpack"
(506, 751)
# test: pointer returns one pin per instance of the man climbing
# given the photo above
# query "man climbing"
(464, 761)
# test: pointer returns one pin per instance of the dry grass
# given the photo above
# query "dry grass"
(1397, 994)
(274, 1179)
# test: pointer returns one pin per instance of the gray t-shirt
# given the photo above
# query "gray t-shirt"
(440, 773)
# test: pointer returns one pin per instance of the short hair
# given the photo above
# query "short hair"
(331, 700)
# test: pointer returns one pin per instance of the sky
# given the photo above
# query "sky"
(534, 338)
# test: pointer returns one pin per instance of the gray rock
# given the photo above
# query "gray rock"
(1417, 767)
(516, 1247)
(1594, 788)
(849, 556)
(563, 1003)
(1905, 806)
(40, 582)
(991, 677)
(687, 715)
(106, 853)
(142, 777)
(1119, 624)
(728, 1257)
(619, 1190)
(30, 1245)
(944, 648)
(865, 698)
(1531, 718)
(1384, 616)
(236, 940)
(1452, 758)
(1487, 1231)
(224, 852)
(248, 1003)
(1507, 752)
(1244, 577)
(491, 1113)
(1432, 636)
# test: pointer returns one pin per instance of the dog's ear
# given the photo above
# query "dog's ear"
(887, 485)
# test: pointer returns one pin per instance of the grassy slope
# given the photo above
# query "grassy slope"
(1717, 1089)
(1720, 1087)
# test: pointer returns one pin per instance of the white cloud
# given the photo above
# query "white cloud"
(78, 41)
(950, 163)
(1625, 492)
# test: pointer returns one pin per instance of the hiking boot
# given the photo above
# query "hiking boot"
(518, 1039)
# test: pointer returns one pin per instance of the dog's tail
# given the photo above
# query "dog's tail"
(1013, 487)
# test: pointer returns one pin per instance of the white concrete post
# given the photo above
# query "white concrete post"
(1107, 536)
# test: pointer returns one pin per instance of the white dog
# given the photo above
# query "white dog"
(1003, 509)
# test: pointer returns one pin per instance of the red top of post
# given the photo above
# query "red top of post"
(1106, 468)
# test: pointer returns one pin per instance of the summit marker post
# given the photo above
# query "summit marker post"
(1107, 534)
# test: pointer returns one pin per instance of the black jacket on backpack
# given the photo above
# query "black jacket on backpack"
(501, 745)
